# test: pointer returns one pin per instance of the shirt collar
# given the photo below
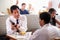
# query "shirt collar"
(15, 18)
(46, 25)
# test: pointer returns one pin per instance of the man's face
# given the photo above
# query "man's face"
(23, 6)
(16, 13)
(41, 22)
(53, 14)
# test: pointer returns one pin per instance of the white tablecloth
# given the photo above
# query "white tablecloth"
(20, 37)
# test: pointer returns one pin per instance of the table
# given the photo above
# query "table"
(20, 37)
(57, 38)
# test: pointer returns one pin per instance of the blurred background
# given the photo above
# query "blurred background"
(37, 5)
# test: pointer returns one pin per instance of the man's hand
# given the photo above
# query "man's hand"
(13, 27)
(17, 26)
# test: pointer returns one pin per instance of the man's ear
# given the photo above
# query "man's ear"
(41, 22)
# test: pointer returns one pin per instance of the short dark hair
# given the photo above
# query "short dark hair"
(45, 16)
(13, 7)
(51, 10)
(23, 4)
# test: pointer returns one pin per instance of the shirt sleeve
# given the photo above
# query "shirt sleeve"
(40, 35)
(53, 32)
(24, 24)
(8, 27)
(35, 34)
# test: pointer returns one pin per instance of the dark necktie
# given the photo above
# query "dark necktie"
(17, 22)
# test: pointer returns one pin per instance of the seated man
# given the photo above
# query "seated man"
(16, 22)
(47, 31)
(23, 10)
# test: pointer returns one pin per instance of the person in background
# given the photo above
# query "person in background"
(17, 2)
(54, 4)
(53, 20)
(16, 22)
(30, 9)
(8, 11)
(47, 31)
(23, 10)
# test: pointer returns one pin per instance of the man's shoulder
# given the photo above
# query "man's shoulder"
(52, 27)
(41, 30)
(23, 15)
(9, 17)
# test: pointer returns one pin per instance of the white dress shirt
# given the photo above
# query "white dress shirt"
(22, 23)
(47, 32)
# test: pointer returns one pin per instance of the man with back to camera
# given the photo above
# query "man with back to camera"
(47, 31)
(16, 22)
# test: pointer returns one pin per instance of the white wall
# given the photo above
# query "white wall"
(4, 4)
(37, 4)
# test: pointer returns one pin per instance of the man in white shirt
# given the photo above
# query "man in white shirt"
(47, 31)
(16, 22)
